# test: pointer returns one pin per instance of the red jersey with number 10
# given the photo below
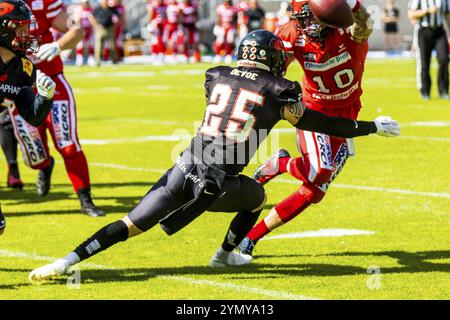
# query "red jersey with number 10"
(45, 11)
(333, 69)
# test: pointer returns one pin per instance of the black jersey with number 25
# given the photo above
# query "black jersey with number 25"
(242, 107)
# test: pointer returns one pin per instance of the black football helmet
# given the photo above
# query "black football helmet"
(263, 50)
(15, 21)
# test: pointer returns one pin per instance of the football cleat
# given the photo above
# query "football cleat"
(223, 259)
(270, 169)
(13, 180)
(2, 222)
(246, 246)
(87, 205)
(58, 268)
(43, 180)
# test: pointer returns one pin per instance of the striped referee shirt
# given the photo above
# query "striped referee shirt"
(431, 20)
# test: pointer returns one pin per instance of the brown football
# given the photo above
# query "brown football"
(333, 13)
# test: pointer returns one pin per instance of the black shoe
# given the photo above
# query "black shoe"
(246, 246)
(87, 205)
(2, 222)
(43, 180)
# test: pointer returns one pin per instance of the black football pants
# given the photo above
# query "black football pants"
(428, 40)
(179, 185)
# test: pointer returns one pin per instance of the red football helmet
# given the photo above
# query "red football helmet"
(309, 25)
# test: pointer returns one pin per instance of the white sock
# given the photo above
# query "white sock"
(72, 258)
(222, 253)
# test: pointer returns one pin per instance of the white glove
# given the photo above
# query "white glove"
(387, 127)
(45, 85)
(48, 51)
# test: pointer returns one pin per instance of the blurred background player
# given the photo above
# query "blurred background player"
(254, 16)
(391, 16)
(19, 76)
(225, 31)
(189, 11)
(157, 18)
(333, 64)
(430, 17)
(106, 20)
(171, 30)
(119, 27)
(284, 14)
(242, 29)
(84, 18)
(61, 122)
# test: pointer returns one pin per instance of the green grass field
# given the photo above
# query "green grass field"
(397, 189)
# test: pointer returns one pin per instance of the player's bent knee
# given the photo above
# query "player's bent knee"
(132, 229)
(322, 177)
(38, 166)
(69, 152)
(312, 193)
(261, 206)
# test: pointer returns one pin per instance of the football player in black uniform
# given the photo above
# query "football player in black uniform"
(243, 105)
(17, 74)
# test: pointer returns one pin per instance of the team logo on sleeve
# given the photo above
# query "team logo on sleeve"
(27, 66)
(61, 123)
(32, 146)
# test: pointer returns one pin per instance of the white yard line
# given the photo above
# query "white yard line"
(191, 281)
(295, 182)
(240, 288)
(322, 233)
(126, 168)
(34, 256)
(380, 189)
(174, 138)
(137, 74)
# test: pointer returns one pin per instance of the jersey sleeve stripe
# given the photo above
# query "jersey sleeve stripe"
(53, 14)
(287, 44)
(54, 5)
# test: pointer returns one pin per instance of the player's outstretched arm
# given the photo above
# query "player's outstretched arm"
(363, 26)
(310, 120)
(72, 35)
(34, 109)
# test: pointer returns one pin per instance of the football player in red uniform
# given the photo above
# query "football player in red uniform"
(62, 121)
(189, 10)
(172, 29)
(85, 48)
(120, 27)
(157, 18)
(333, 64)
(225, 31)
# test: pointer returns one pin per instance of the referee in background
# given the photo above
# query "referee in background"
(430, 15)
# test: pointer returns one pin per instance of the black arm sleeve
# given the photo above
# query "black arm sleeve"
(333, 126)
(34, 109)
